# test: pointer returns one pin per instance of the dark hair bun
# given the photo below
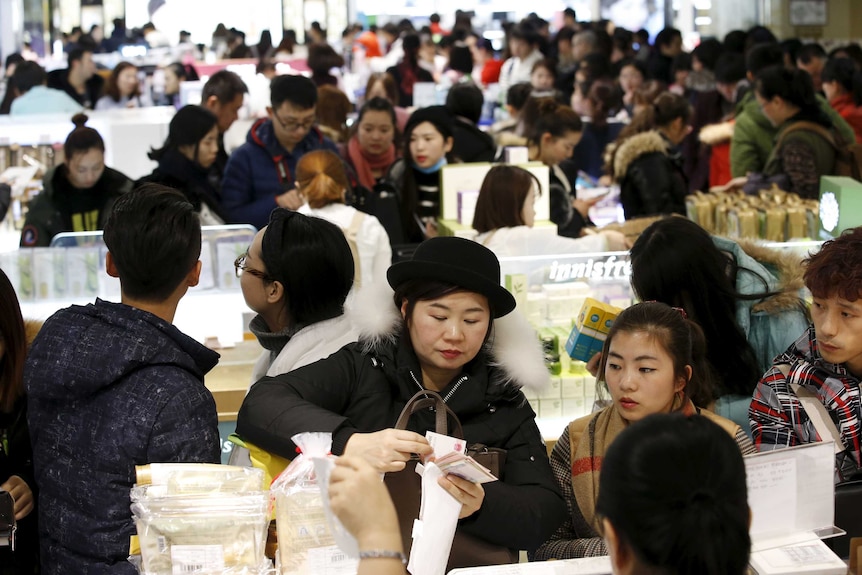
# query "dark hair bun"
(80, 120)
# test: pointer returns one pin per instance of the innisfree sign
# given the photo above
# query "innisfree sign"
(594, 268)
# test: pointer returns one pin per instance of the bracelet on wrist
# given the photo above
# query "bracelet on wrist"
(383, 554)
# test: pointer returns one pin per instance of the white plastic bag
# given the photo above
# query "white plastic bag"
(434, 531)
(305, 542)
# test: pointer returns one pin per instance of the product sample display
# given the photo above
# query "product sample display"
(591, 329)
(200, 518)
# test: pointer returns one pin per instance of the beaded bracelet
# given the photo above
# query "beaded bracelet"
(383, 554)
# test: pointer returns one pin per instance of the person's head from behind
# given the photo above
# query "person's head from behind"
(669, 114)
(81, 64)
(834, 277)
(461, 59)
(811, 58)
(729, 72)
(543, 75)
(517, 97)
(27, 76)
(783, 93)
(644, 96)
(376, 127)
(428, 137)
(583, 43)
(465, 100)
(223, 95)
(297, 271)
(293, 108)
(153, 237)
(650, 359)
(553, 130)
(761, 57)
(675, 261)
(332, 110)
(123, 82)
(681, 68)
(603, 99)
(673, 499)
(790, 48)
(174, 74)
(381, 85)
(706, 54)
(193, 132)
(84, 151)
(841, 77)
(448, 296)
(321, 179)
(669, 42)
(13, 346)
(506, 199)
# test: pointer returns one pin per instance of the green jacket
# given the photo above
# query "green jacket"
(45, 220)
(754, 135)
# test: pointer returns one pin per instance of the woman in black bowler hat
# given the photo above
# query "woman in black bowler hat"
(449, 327)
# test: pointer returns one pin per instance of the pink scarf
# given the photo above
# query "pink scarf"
(364, 163)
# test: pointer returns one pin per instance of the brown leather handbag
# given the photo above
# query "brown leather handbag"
(405, 487)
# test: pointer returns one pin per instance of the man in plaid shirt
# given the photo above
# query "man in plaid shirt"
(826, 360)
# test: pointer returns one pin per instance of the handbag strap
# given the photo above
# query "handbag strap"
(816, 412)
(425, 399)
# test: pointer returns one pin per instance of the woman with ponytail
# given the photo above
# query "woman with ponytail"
(322, 183)
(653, 361)
(408, 71)
(673, 499)
(553, 130)
(645, 160)
(806, 143)
(842, 84)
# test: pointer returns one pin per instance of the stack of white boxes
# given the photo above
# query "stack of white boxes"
(570, 395)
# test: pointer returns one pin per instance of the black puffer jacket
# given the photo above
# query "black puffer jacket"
(363, 387)
(649, 171)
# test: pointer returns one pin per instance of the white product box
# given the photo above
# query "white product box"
(572, 386)
(82, 267)
(553, 390)
(550, 408)
(574, 408)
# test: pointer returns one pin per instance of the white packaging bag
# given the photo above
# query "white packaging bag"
(434, 531)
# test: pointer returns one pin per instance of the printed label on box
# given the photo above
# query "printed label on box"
(193, 558)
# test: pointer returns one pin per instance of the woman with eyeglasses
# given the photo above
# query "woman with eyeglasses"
(185, 158)
(652, 362)
(296, 275)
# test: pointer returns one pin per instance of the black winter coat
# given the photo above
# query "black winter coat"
(650, 175)
(354, 391)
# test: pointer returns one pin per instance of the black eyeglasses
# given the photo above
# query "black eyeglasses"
(240, 266)
(292, 125)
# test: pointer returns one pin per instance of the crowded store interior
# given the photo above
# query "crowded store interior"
(326, 288)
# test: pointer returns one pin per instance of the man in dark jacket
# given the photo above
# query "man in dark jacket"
(79, 80)
(260, 174)
(668, 45)
(111, 386)
(465, 102)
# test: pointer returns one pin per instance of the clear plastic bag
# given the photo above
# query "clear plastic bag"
(214, 533)
(305, 542)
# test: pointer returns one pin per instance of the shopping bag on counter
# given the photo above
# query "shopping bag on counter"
(405, 487)
(200, 518)
(306, 545)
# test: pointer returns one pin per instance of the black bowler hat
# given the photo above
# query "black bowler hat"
(460, 262)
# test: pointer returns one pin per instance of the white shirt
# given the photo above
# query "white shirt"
(525, 241)
(372, 241)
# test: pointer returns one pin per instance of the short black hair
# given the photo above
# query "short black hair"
(77, 53)
(225, 86)
(154, 237)
(666, 36)
(729, 68)
(465, 100)
(461, 59)
(763, 56)
(312, 260)
(298, 90)
(518, 94)
(810, 51)
(708, 51)
(28, 75)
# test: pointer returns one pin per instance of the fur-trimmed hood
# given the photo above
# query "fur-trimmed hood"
(513, 347)
(715, 134)
(635, 147)
(782, 271)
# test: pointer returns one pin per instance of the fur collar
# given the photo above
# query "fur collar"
(635, 147)
(513, 346)
(715, 134)
(788, 272)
